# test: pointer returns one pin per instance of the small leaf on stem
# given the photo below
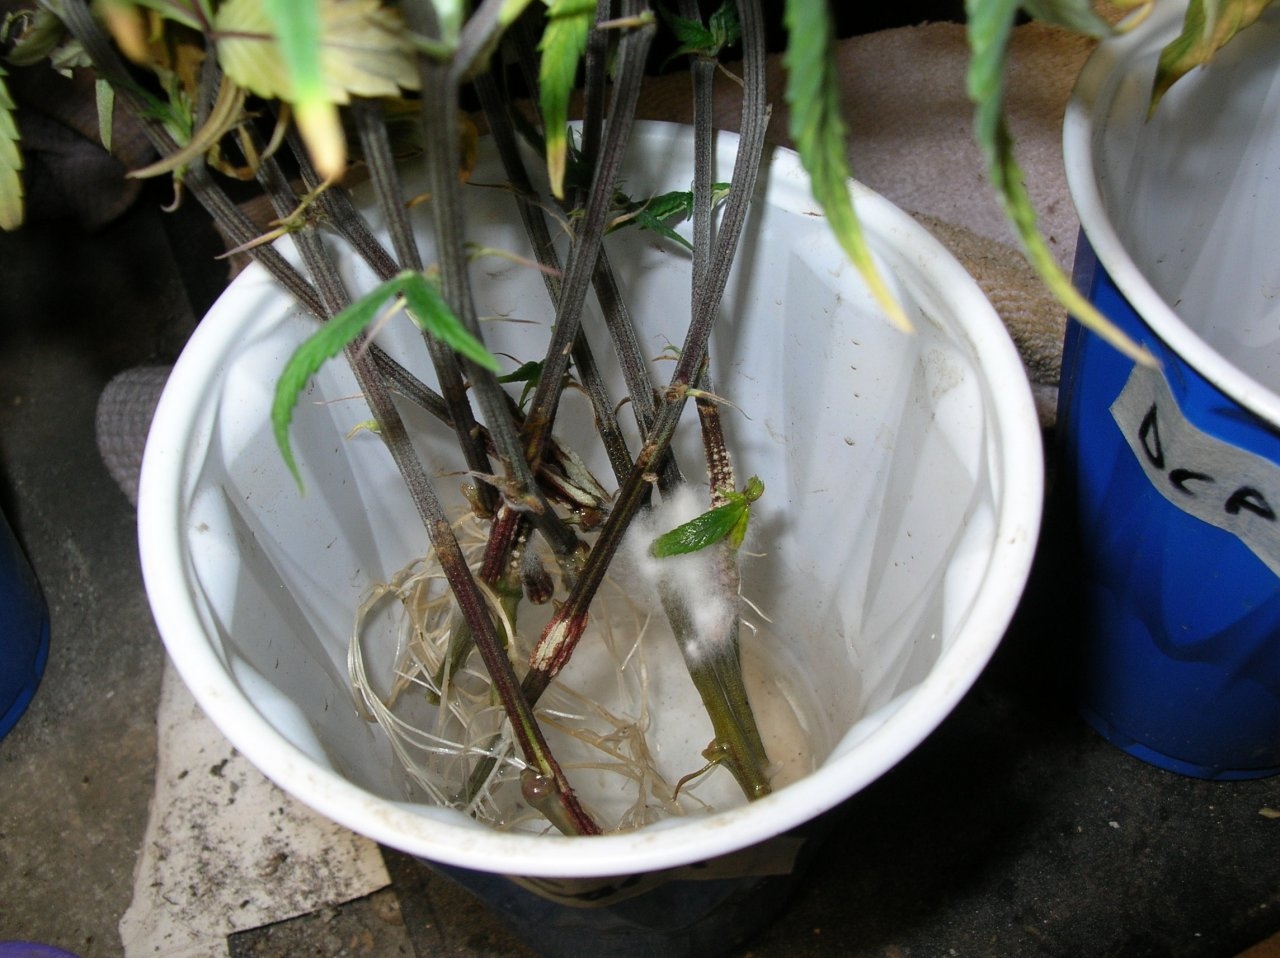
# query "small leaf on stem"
(728, 521)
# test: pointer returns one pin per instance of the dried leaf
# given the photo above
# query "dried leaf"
(564, 40)
(1206, 28)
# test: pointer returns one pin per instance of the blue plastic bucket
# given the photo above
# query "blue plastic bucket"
(24, 630)
(1172, 471)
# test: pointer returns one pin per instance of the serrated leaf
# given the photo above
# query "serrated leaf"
(723, 30)
(990, 23)
(1206, 28)
(11, 192)
(433, 315)
(690, 33)
(325, 343)
(727, 521)
(700, 531)
(1076, 15)
(819, 133)
(564, 40)
(364, 50)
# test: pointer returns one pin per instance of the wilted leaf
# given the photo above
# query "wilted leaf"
(315, 54)
(564, 40)
(1206, 28)
(364, 50)
(11, 194)
(819, 133)
(990, 23)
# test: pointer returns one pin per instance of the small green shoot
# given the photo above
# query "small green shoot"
(723, 30)
(529, 373)
(728, 521)
(655, 212)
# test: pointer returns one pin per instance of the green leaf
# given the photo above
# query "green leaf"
(723, 30)
(728, 521)
(429, 310)
(701, 531)
(819, 133)
(1076, 15)
(11, 192)
(564, 40)
(105, 98)
(426, 307)
(654, 213)
(529, 373)
(1206, 28)
(990, 24)
(329, 340)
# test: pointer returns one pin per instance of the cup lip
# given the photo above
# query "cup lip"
(1091, 98)
(1018, 464)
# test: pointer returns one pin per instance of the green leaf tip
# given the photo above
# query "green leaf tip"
(564, 41)
(990, 26)
(819, 133)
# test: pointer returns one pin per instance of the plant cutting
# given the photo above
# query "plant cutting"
(462, 653)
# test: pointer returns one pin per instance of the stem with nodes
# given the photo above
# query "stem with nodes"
(737, 745)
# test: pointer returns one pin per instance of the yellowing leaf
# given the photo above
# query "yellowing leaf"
(364, 50)
(563, 42)
(1207, 27)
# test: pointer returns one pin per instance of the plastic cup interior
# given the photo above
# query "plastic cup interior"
(903, 490)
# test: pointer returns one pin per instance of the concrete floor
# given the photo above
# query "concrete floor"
(1012, 831)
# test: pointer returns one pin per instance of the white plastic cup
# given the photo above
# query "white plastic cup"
(903, 483)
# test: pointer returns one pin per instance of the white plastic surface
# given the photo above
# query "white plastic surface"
(1182, 208)
(903, 478)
